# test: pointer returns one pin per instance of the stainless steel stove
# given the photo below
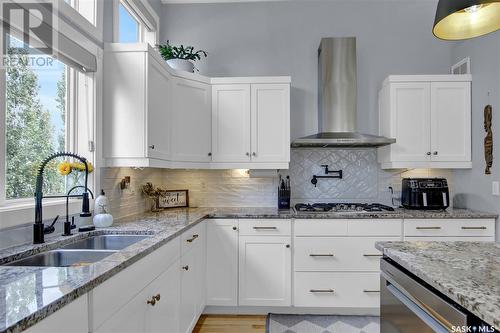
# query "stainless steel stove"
(342, 208)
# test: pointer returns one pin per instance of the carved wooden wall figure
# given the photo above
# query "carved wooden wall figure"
(488, 140)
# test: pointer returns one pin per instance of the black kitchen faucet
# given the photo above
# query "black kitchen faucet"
(39, 230)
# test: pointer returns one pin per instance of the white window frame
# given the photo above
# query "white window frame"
(146, 34)
(17, 212)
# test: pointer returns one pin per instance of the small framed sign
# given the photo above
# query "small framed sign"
(174, 199)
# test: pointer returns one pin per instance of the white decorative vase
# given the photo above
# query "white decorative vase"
(181, 65)
(103, 220)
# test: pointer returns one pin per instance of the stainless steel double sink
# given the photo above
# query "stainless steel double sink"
(82, 252)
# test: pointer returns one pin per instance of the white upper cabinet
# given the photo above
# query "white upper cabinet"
(231, 123)
(430, 117)
(251, 124)
(191, 132)
(159, 117)
(270, 123)
(137, 106)
(451, 121)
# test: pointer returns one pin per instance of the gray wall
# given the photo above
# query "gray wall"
(281, 38)
(473, 187)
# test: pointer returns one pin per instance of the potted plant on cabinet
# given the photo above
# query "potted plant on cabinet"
(180, 57)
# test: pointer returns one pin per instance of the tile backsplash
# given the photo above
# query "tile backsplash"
(363, 181)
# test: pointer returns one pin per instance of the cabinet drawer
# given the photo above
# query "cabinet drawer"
(320, 227)
(375, 227)
(448, 239)
(449, 227)
(113, 294)
(265, 227)
(192, 237)
(338, 253)
(339, 289)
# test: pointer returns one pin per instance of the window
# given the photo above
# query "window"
(135, 22)
(36, 119)
(128, 28)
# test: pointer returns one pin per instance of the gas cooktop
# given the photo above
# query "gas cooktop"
(341, 207)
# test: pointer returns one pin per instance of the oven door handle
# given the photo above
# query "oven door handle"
(420, 312)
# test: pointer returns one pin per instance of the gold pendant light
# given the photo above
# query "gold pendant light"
(464, 19)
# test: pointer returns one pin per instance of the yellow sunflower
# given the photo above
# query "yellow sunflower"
(81, 167)
(64, 168)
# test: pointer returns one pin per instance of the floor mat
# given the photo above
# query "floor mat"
(285, 323)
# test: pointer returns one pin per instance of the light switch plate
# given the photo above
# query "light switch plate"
(495, 188)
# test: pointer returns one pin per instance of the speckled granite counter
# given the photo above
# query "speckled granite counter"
(466, 272)
(29, 294)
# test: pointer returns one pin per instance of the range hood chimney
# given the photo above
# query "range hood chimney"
(337, 99)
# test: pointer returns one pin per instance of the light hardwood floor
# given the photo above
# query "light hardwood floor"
(230, 324)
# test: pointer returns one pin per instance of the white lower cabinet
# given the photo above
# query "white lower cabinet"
(193, 268)
(72, 318)
(154, 309)
(337, 289)
(222, 262)
(265, 270)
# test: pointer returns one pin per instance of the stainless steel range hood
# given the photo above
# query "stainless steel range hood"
(337, 99)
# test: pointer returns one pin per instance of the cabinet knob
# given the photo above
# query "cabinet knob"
(152, 147)
(157, 297)
(254, 154)
(234, 228)
(209, 154)
(287, 246)
(247, 153)
(435, 153)
(152, 301)
(186, 268)
(428, 153)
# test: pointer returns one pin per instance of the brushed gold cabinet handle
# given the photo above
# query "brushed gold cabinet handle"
(186, 268)
(192, 238)
(473, 228)
(321, 255)
(372, 255)
(371, 291)
(428, 228)
(322, 291)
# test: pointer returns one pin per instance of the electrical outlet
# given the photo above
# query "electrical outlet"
(495, 188)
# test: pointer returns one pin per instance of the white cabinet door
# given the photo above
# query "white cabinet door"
(451, 121)
(222, 262)
(231, 123)
(270, 112)
(72, 318)
(191, 121)
(164, 316)
(131, 318)
(410, 108)
(189, 297)
(264, 271)
(201, 272)
(159, 88)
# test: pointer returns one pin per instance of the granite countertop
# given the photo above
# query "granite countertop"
(466, 272)
(29, 294)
